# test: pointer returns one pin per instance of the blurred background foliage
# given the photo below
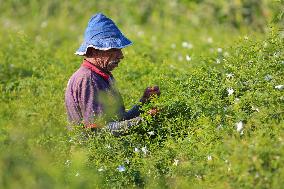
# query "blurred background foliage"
(161, 13)
(256, 13)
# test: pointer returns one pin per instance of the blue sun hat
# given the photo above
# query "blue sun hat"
(102, 33)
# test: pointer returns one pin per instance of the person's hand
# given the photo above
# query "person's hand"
(153, 111)
(150, 92)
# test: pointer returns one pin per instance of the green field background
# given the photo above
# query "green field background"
(195, 50)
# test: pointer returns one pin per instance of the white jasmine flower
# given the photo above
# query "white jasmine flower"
(265, 45)
(188, 58)
(219, 50)
(43, 24)
(127, 161)
(176, 161)
(268, 77)
(256, 175)
(121, 168)
(229, 75)
(140, 33)
(100, 169)
(198, 176)
(209, 40)
(254, 108)
(230, 91)
(246, 83)
(276, 54)
(187, 45)
(209, 158)
(151, 133)
(77, 174)
(218, 61)
(219, 127)
(184, 44)
(246, 37)
(67, 162)
(280, 87)
(240, 126)
(136, 150)
(144, 150)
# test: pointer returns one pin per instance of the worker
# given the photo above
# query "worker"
(91, 95)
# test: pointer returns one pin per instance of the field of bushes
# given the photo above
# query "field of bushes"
(220, 68)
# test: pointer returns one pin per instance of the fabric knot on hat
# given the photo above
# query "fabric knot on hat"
(102, 34)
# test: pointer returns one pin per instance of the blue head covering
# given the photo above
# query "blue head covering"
(102, 33)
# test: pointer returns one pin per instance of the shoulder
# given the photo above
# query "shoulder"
(86, 77)
(82, 75)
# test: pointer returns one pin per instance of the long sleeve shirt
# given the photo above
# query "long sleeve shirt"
(91, 94)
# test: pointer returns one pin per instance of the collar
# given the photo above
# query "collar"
(95, 69)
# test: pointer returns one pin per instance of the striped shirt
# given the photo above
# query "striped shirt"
(91, 94)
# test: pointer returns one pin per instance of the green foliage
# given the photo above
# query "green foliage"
(220, 123)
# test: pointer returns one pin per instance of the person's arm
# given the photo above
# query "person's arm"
(132, 113)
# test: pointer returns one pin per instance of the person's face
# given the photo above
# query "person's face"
(114, 57)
